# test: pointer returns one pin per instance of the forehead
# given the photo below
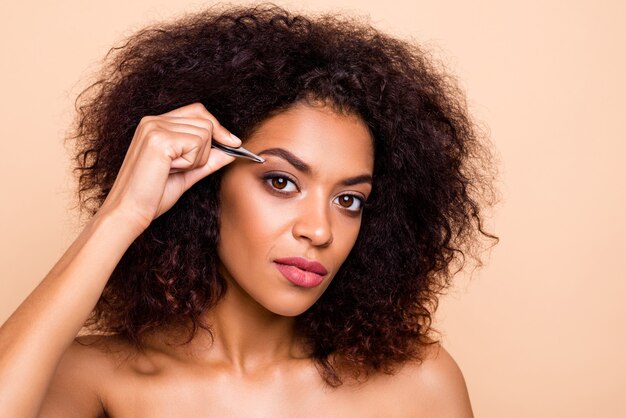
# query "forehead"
(319, 136)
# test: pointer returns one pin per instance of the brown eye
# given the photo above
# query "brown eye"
(349, 202)
(279, 182)
(346, 200)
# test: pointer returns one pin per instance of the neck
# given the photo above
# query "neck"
(247, 337)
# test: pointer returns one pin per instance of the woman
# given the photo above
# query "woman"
(302, 286)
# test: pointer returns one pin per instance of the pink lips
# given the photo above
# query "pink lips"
(300, 271)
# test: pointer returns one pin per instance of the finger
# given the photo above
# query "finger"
(187, 110)
(204, 127)
(199, 122)
(155, 129)
(188, 125)
(202, 154)
(184, 150)
(203, 159)
(198, 110)
(181, 164)
(217, 160)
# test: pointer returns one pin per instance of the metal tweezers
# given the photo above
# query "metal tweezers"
(237, 152)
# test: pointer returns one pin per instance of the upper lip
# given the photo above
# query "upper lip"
(304, 264)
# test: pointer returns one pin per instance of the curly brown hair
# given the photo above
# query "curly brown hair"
(432, 174)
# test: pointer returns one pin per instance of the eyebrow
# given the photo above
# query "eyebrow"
(289, 157)
(305, 168)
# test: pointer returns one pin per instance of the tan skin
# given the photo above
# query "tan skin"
(256, 366)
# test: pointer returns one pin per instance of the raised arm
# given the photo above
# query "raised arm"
(167, 155)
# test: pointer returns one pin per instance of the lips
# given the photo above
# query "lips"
(303, 264)
(300, 271)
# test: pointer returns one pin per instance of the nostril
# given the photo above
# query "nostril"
(316, 234)
(313, 222)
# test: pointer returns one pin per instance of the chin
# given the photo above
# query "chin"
(289, 306)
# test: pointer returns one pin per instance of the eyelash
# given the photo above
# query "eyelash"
(267, 179)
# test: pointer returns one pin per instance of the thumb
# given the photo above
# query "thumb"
(217, 160)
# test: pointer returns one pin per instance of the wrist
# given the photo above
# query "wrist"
(120, 222)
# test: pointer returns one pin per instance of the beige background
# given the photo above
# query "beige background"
(540, 331)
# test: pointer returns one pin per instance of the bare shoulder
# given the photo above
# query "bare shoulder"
(84, 370)
(435, 387)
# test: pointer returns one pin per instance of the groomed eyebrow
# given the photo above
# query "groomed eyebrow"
(305, 168)
(364, 178)
(289, 157)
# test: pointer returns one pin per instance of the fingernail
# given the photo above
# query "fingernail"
(236, 141)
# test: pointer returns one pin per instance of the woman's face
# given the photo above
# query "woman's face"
(287, 225)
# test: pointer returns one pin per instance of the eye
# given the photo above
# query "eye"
(350, 202)
(280, 183)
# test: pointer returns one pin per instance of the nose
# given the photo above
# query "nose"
(313, 222)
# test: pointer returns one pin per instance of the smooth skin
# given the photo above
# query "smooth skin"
(255, 367)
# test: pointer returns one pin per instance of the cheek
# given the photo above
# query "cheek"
(345, 236)
(249, 224)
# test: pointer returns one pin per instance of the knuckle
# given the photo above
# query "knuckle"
(146, 119)
(215, 123)
(155, 137)
(198, 108)
(205, 134)
(149, 124)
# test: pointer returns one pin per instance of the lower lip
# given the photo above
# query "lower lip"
(300, 277)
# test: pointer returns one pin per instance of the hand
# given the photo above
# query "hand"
(168, 154)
